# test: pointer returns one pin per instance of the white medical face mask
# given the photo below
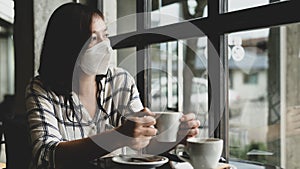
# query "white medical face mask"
(96, 59)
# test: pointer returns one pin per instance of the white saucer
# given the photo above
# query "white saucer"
(187, 165)
(140, 164)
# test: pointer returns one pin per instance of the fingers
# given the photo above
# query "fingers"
(188, 132)
(148, 121)
(138, 143)
(144, 126)
(144, 112)
(189, 121)
(142, 137)
(193, 124)
(142, 131)
(140, 128)
(188, 117)
(193, 132)
(189, 126)
(149, 131)
(145, 121)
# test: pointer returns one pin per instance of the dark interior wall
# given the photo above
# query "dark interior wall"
(31, 17)
(24, 49)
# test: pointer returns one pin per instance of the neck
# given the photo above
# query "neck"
(87, 85)
(83, 84)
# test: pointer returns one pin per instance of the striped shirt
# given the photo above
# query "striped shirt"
(51, 119)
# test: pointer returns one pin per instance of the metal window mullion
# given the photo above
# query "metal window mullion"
(180, 75)
(213, 8)
(169, 76)
(142, 53)
(214, 76)
(217, 68)
(100, 5)
(224, 125)
(214, 70)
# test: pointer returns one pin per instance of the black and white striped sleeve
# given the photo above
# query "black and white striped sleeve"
(43, 125)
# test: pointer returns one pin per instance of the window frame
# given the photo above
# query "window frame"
(215, 26)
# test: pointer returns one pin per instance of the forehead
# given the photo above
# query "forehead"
(97, 24)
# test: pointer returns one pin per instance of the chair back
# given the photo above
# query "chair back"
(17, 142)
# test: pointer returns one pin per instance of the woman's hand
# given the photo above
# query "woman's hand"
(139, 129)
(189, 126)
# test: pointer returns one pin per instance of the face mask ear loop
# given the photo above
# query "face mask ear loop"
(73, 114)
(71, 101)
(99, 89)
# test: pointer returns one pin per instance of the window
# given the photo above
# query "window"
(251, 78)
(126, 59)
(7, 66)
(120, 16)
(234, 5)
(164, 12)
(267, 97)
(7, 10)
(179, 78)
(234, 39)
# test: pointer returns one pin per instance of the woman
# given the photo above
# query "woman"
(76, 98)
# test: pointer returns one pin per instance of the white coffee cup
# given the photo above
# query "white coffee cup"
(203, 153)
(167, 124)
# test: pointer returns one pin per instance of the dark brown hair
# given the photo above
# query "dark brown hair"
(67, 31)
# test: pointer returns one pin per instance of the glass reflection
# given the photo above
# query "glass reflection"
(234, 5)
(179, 78)
(120, 16)
(126, 59)
(266, 96)
(164, 12)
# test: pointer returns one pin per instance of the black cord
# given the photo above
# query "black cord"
(74, 115)
(99, 90)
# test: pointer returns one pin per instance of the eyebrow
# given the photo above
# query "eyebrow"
(97, 31)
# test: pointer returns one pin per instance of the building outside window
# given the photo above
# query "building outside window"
(251, 78)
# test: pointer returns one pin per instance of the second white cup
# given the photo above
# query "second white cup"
(203, 153)
(167, 124)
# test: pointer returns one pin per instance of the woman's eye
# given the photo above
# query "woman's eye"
(94, 38)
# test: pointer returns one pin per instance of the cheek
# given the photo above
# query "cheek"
(92, 43)
(101, 38)
(95, 42)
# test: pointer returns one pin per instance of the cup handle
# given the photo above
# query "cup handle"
(179, 150)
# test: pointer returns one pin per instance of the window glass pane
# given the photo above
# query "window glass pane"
(179, 79)
(164, 57)
(251, 78)
(165, 12)
(7, 64)
(120, 16)
(264, 99)
(7, 10)
(126, 59)
(234, 5)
